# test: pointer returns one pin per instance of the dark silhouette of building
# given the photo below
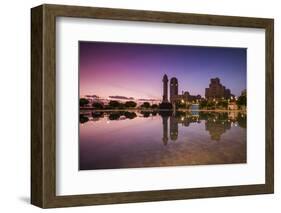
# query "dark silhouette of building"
(217, 90)
(173, 89)
(165, 89)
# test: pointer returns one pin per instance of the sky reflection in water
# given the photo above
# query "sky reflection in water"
(110, 140)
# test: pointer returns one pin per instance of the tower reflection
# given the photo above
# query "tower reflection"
(216, 123)
(165, 130)
(174, 128)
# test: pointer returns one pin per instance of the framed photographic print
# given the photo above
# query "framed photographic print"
(136, 106)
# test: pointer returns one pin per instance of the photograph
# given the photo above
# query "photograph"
(144, 105)
(158, 105)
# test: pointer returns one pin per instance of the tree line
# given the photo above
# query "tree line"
(116, 104)
(203, 104)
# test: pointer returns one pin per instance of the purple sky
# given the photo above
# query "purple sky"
(136, 70)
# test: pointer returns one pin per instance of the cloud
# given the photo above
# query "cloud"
(91, 96)
(148, 99)
(121, 97)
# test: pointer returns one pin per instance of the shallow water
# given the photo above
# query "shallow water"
(133, 139)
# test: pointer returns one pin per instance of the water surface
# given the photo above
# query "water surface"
(133, 139)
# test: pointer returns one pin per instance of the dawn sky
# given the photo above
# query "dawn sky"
(136, 70)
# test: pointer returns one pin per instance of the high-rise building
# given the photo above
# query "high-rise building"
(173, 89)
(217, 90)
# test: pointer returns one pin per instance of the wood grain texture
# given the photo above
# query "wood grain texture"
(269, 105)
(36, 106)
(43, 105)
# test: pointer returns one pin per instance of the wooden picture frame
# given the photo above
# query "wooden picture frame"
(43, 105)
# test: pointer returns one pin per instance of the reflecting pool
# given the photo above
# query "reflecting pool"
(134, 139)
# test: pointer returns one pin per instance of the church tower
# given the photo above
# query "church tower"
(165, 89)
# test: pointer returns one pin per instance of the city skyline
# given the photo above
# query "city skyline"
(136, 70)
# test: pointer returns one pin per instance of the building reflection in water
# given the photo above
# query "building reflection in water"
(217, 127)
(165, 129)
(174, 128)
(216, 123)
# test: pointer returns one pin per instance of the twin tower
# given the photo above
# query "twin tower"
(173, 89)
